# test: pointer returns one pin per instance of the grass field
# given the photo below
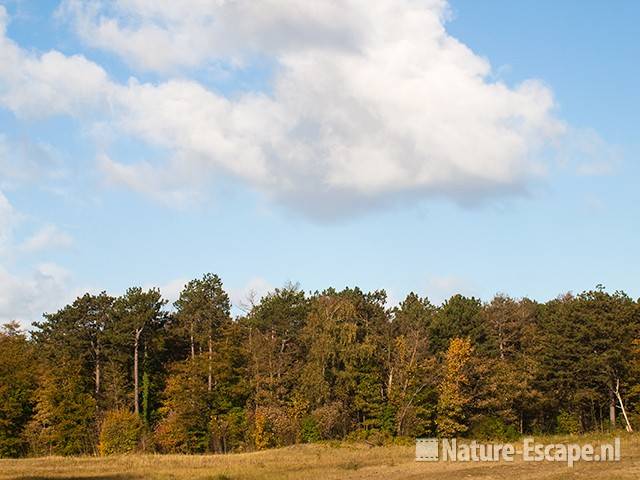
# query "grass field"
(344, 461)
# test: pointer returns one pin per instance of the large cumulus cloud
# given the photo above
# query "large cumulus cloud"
(369, 103)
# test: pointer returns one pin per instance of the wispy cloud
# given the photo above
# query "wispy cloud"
(47, 238)
(43, 287)
(441, 288)
(588, 154)
(25, 297)
(244, 297)
(24, 162)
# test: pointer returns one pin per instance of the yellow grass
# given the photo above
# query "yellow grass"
(321, 461)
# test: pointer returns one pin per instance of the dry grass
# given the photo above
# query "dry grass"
(346, 461)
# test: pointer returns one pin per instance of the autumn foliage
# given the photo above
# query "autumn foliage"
(117, 375)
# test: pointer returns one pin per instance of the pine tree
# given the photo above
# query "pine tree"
(202, 309)
(139, 316)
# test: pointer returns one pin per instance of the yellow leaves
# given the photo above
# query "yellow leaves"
(457, 356)
(453, 397)
(120, 433)
(261, 436)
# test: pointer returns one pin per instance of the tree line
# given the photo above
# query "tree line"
(120, 374)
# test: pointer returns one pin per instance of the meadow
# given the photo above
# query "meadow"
(323, 461)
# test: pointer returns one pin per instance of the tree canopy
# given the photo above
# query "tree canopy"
(302, 367)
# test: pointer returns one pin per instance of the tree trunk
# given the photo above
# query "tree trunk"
(624, 412)
(97, 369)
(193, 348)
(612, 409)
(210, 360)
(521, 422)
(136, 400)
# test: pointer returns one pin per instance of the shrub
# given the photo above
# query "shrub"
(330, 420)
(492, 428)
(371, 436)
(379, 438)
(262, 431)
(273, 427)
(121, 433)
(569, 423)
(228, 431)
(309, 430)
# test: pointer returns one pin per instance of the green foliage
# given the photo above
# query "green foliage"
(459, 317)
(372, 436)
(586, 343)
(568, 423)
(121, 433)
(492, 428)
(184, 427)
(202, 308)
(17, 387)
(411, 383)
(309, 430)
(65, 415)
(145, 398)
(229, 431)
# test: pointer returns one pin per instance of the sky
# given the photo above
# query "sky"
(407, 145)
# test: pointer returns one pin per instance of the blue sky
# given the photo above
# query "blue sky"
(393, 148)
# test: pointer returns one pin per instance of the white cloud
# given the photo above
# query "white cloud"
(48, 237)
(242, 298)
(441, 288)
(25, 298)
(406, 111)
(7, 221)
(41, 288)
(178, 186)
(588, 154)
(171, 290)
(52, 83)
(27, 161)
(371, 102)
(163, 35)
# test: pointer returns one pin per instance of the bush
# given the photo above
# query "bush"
(121, 433)
(372, 436)
(309, 430)
(263, 436)
(330, 420)
(492, 428)
(569, 423)
(228, 431)
(380, 438)
(273, 427)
